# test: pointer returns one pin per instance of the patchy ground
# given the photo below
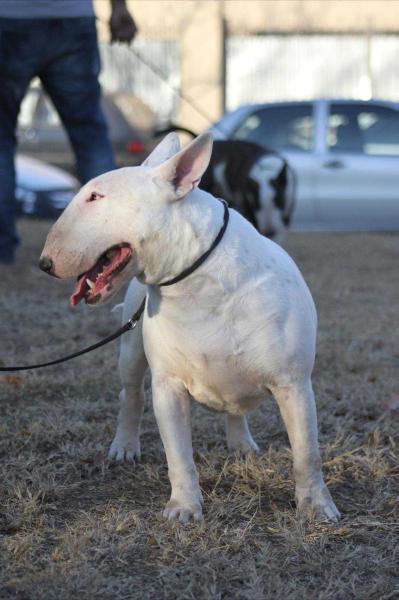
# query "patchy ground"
(74, 525)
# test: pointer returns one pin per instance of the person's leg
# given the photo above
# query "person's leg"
(8, 233)
(18, 51)
(71, 79)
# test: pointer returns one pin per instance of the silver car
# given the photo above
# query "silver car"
(42, 190)
(345, 154)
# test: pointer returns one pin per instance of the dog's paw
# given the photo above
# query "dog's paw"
(316, 503)
(243, 444)
(184, 512)
(125, 446)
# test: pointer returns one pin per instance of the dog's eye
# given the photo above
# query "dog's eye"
(94, 196)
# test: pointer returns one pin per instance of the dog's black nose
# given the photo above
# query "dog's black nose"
(46, 264)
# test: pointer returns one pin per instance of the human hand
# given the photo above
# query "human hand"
(121, 24)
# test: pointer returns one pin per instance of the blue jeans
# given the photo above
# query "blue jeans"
(64, 54)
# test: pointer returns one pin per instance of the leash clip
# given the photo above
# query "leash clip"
(132, 323)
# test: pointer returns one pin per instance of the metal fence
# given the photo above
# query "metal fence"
(262, 68)
(127, 69)
(295, 67)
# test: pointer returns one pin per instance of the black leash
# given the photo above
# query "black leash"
(132, 322)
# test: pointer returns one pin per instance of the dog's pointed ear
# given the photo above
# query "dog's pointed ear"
(184, 170)
(167, 147)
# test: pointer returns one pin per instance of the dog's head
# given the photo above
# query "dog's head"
(103, 236)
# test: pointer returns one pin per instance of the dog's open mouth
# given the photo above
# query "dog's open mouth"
(96, 283)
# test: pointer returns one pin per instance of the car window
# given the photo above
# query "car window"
(285, 127)
(363, 129)
(122, 104)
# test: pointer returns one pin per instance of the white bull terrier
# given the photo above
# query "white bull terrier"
(241, 324)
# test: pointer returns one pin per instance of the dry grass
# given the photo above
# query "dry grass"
(74, 525)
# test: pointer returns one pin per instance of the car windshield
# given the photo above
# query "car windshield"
(286, 127)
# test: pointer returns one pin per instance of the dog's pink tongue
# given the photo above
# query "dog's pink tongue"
(101, 275)
(79, 292)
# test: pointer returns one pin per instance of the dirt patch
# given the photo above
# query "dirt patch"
(75, 525)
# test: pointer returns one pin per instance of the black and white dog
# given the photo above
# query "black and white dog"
(256, 181)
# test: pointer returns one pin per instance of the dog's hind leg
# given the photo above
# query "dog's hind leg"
(238, 435)
(132, 367)
(297, 407)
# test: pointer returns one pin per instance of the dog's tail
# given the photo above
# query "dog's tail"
(117, 308)
(117, 311)
(177, 128)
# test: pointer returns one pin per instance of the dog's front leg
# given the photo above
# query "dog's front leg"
(172, 407)
(297, 407)
(132, 367)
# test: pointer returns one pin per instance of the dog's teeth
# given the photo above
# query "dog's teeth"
(90, 283)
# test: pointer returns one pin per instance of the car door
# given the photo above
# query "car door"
(357, 180)
(290, 129)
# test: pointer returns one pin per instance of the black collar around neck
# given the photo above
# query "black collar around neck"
(204, 256)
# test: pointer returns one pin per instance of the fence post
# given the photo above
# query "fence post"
(202, 66)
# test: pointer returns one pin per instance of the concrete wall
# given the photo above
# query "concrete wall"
(171, 17)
